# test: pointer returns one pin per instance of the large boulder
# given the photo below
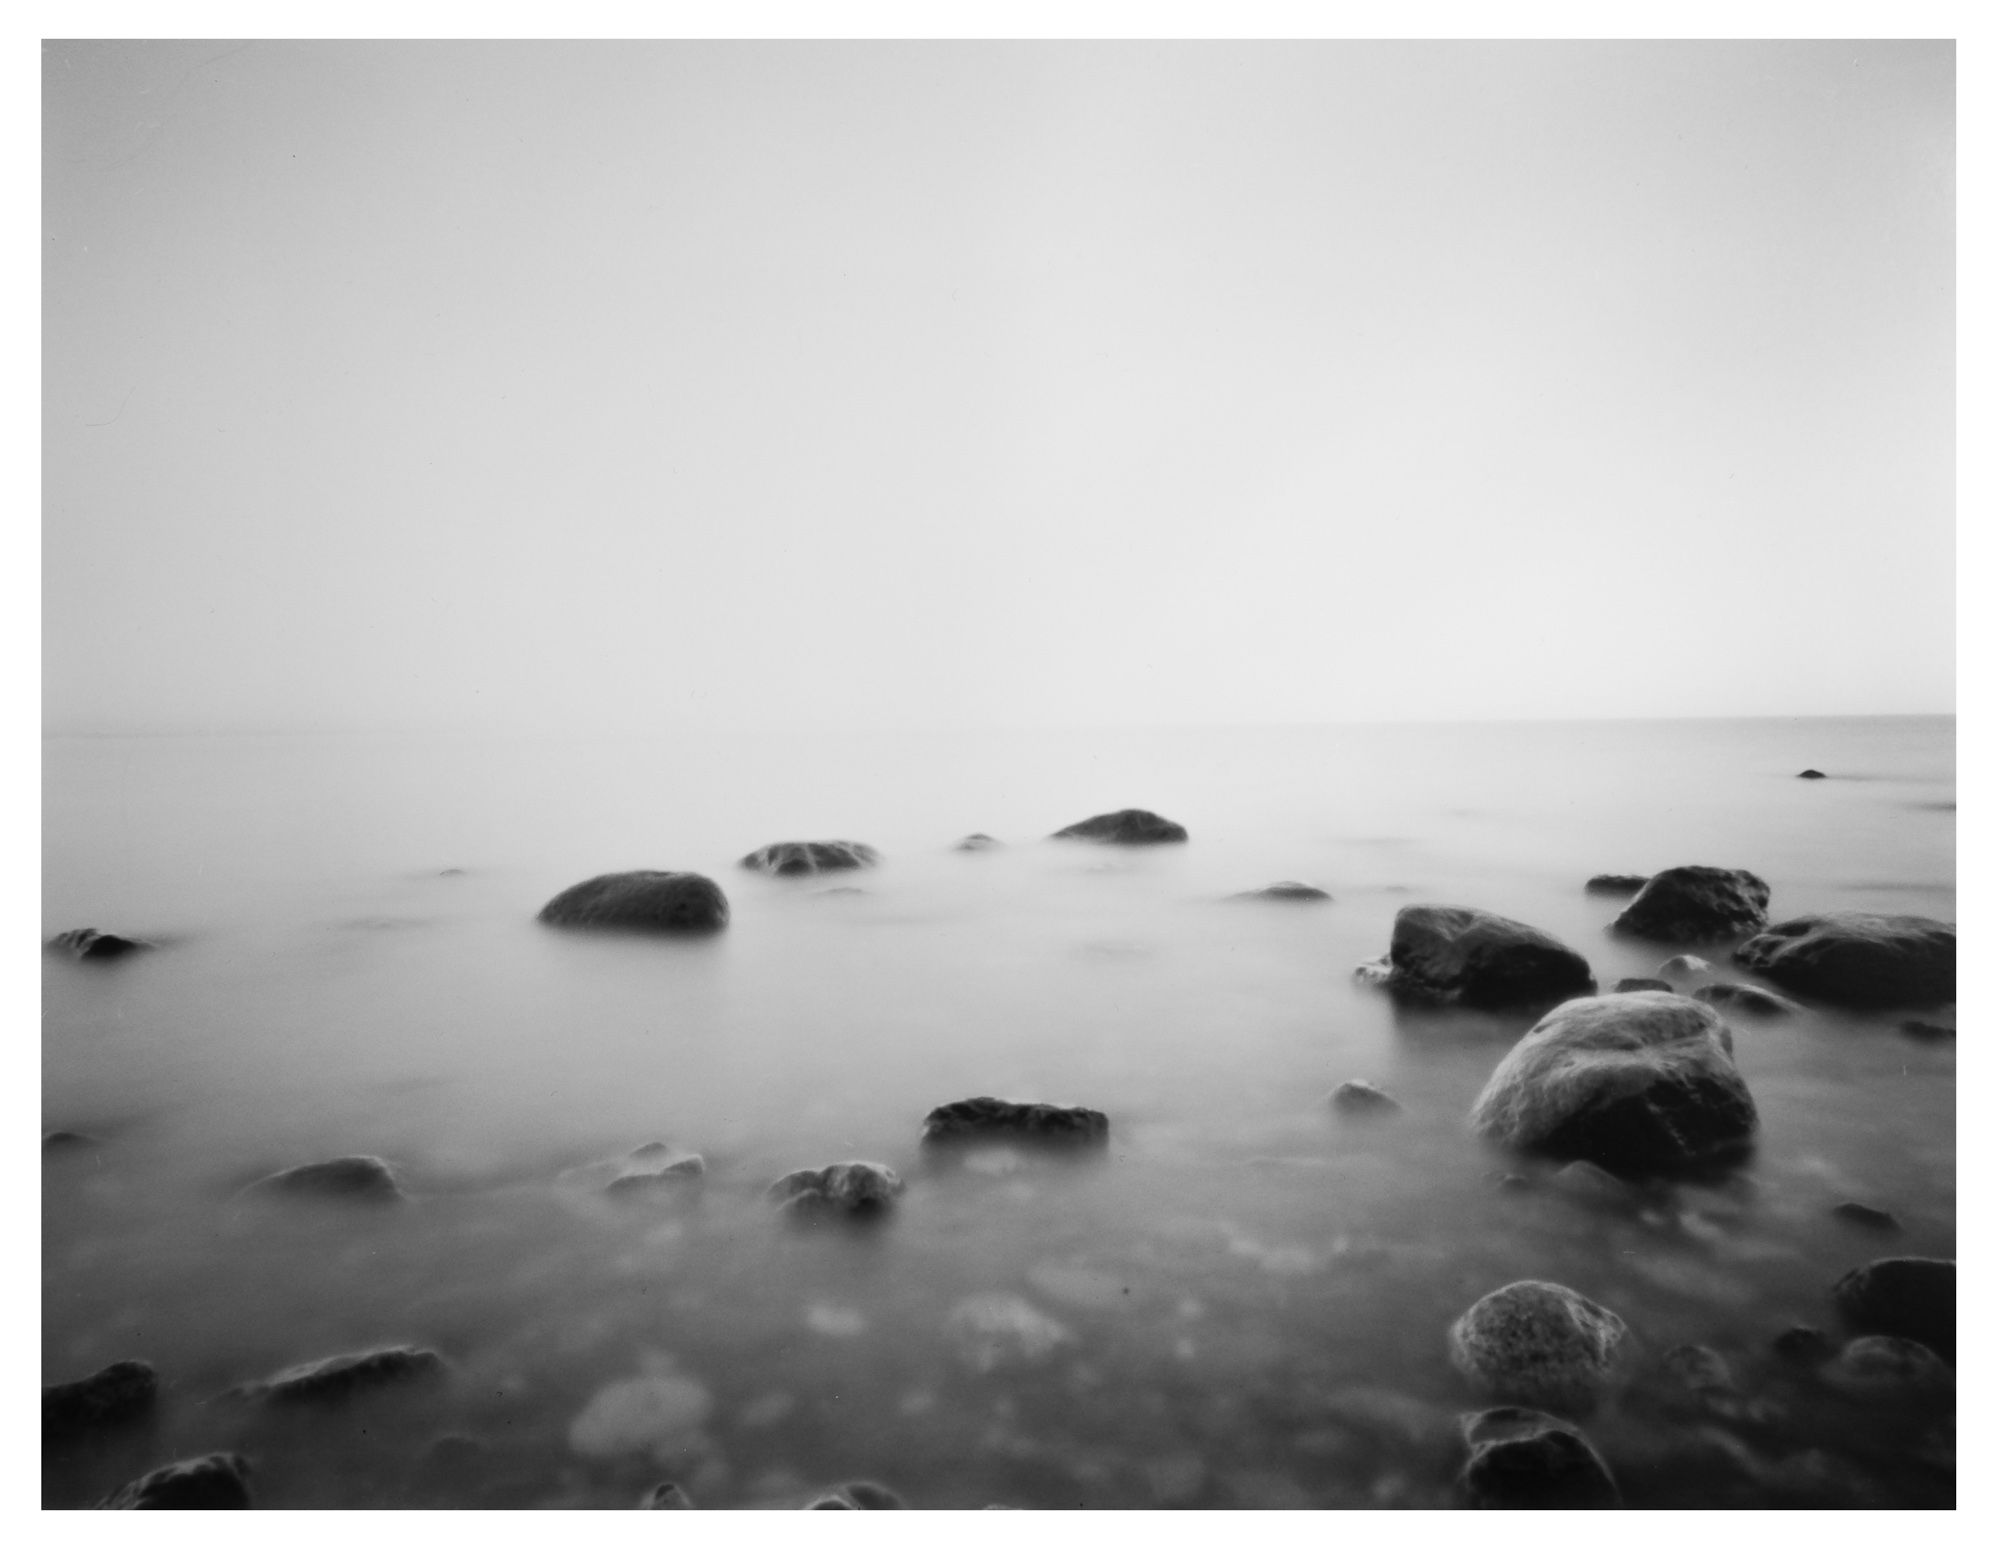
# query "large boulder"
(121, 1393)
(1915, 1298)
(1697, 903)
(640, 900)
(809, 857)
(1639, 1082)
(995, 1118)
(1477, 959)
(1131, 825)
(1537, 1343)
(1524, 1460)
(217, 1482)
(96, 946)
(1862, 960)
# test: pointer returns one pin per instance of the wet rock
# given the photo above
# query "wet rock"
(1926, 1032)
(642, 901)
(1810, 774)
(997, 1330)
(1537, 1343)
(1746, 998)
(118, 1395)
(859, 1495)
(1627, 986)
(1362, 1100)
(979, 842)
(666, 1497)
(1685, 964)
(1288, 892)
(1805, 1346)
(1860, 960)
(1586, 1180)
(849, 1188)
(1857, 1214)
(1882, 1365)
(1696, 903)
(808, 857)
(1615, 882)
(67, 1140)
(364, 1179)
(1636, 1083)
(655, 1169)
(96, 946)
(995, 1118)
(1916, 1298)
(1524, 1460)
(217, 1482)
(1132, 825)
(1478, 959)
(338, 1378)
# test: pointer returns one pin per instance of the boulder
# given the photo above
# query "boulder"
(121, 1393)
(1524, 1460)
(96, 946)
(1746, 998)
(994, 1118)
(1362, 1100)
(1533, 1342)
(337, 1378)
(859, 1495)
(640, 900)
(1288, 892)
(1133, 825)
(666, 1497)
(1636, 1083)
(1860, 960)
(1915, 1298)
(1621, 884)
(1810, 774)
(217, 1482)
(1478, 959)
(808, 857)
(979, 842)
(1627, 986)
(363, 1179)
(1697, 903)
(845, 1188)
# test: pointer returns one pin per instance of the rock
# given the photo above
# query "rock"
(67, 1140)
(1615, 882)
(1697, 1370)
(859, 1495)
(338, 1378)
(1804, 1345)
(1926, 1032)
(640, 900)
(997, 1330)
(1524, 1460)
(217, 1482)
(96, 946)
(1696, 903)
(1861, 960)
(1746, 998)
(1479, 959)
(658, 1414)
(1362, 1099)
(807, 857)
(666, 1497)
(1883, 1365)
(979, 842)
(1636, 1083)
(1288, 892)
(1586, 1180)
(1686, 963)
(1132, 825)
(365, 1179)
(1916, 1298)
(994, 1118)
(121, 1393)
(1810, 774)
(1537, 1343)
(1627, 986)
(1858, 1214)
(852, 1188)
(672, 1176)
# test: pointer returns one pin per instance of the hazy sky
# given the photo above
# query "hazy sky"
(624, 384)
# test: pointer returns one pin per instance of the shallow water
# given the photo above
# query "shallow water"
(1243, 1304)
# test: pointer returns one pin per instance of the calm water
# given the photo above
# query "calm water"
(1243, 1305)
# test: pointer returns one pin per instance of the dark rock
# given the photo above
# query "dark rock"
(1804, 1345)
(1926, 1032)
(979, 842)
(852, 1188)
(118, 1395)
(1362, 1099)
(640, 900)
(1810, 774)
(1863, 960)
(1858, 1214)
(1686, 963)
(1696, 903)
(1537, 1343)
(1883, 1365)
(1289, 892)
(218, 1482)
(1914, 1297)
(1614, 882)
(666, 1497)
(337, 1378)
(365, 1179)
(1746, 998)
(67, 1140)
(1524, 1460)
(1479, 959)
(96, 946)
(1636, 1083)
(994, 1118)
(1130, 826)
(860, 1495)
(1627, 986)
(807, 857)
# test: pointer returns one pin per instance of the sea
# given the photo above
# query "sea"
(1241, 1303)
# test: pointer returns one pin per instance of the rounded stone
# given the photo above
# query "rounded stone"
(640, 901)
(1534, 1342)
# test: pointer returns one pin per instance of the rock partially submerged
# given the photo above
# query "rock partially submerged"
(979, 842)
(1288, 892)
(1362, 1100)
(96, 946)
(1684, 965)
(120, 1394)
(217, 1482)
(362, 1179)
(1473, 958)
(653, 1169)
(1861, 960)
(1534, 1342)
(1627, 986)
(1525, 1460)
(666, 1497)
(1810, 774)
(337, 1378)
(1636, 1083)
(1697, 903)
(845, 1188)
(1858, 1214)
(59, 1140)
(1884, 1366)
(809, 857)
(1621, 884)
(1746, 998)
(858, 1495)
(1926, 1032)
(1916, 1298)
(1131, 825)
(995, 1118)
(640, 900)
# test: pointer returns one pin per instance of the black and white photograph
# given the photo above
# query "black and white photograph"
(946, 763)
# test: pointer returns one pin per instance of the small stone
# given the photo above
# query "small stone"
(1686, 963)
(671, 901)
(1886, 1365)
(121, 1393)
(666, 1497)
(979, 842)
(1857, 1214)
(1130, 825)
(649, 1179)
(364, 1179)
(1586, 1180)
(1810, 774)
(1748, 998)
(217, 1482)
(1362, 1099)
(1916, 1298)
(995, 1118)
(807, 857)
(340, 1377)
(67, 1140)
(96, 946)
(1696, 1372)
(1524, 1460)
(851, 1188)
(1288, 892)
(1620, 883)
(1539, 1343)
(859, 1495)
(1630, 986)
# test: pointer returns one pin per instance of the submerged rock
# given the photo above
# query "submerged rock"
(1478, 959)
(1810, 774)
(1132, 825)
(1858, 1214)
(67, 1140)
(996, 1330)
(1588, 1181)
(1861, 960)
(1615, 882)
(1627, 986)
(645, 1178)
(1537, 1343)
(1746, 998)
(96, 946)
(640, 900)
(852, 1188)
(1685, 964)
(994, 1118)
(1916, 1298)
(1882, 1365)
(337, 1378)
(979, 842)
(366, 1179)
(1926, 1032)
(217, 1482)
(666, 1497)
(1525, 1460)
(121, 1393)
(858, 1495)
(1804, 1345)
(1288, 892)
(1697, 903)
(658, 1414)
(808, 857)
(1362, 1099)
(1636, 1083)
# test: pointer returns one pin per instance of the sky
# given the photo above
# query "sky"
(624, 386)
